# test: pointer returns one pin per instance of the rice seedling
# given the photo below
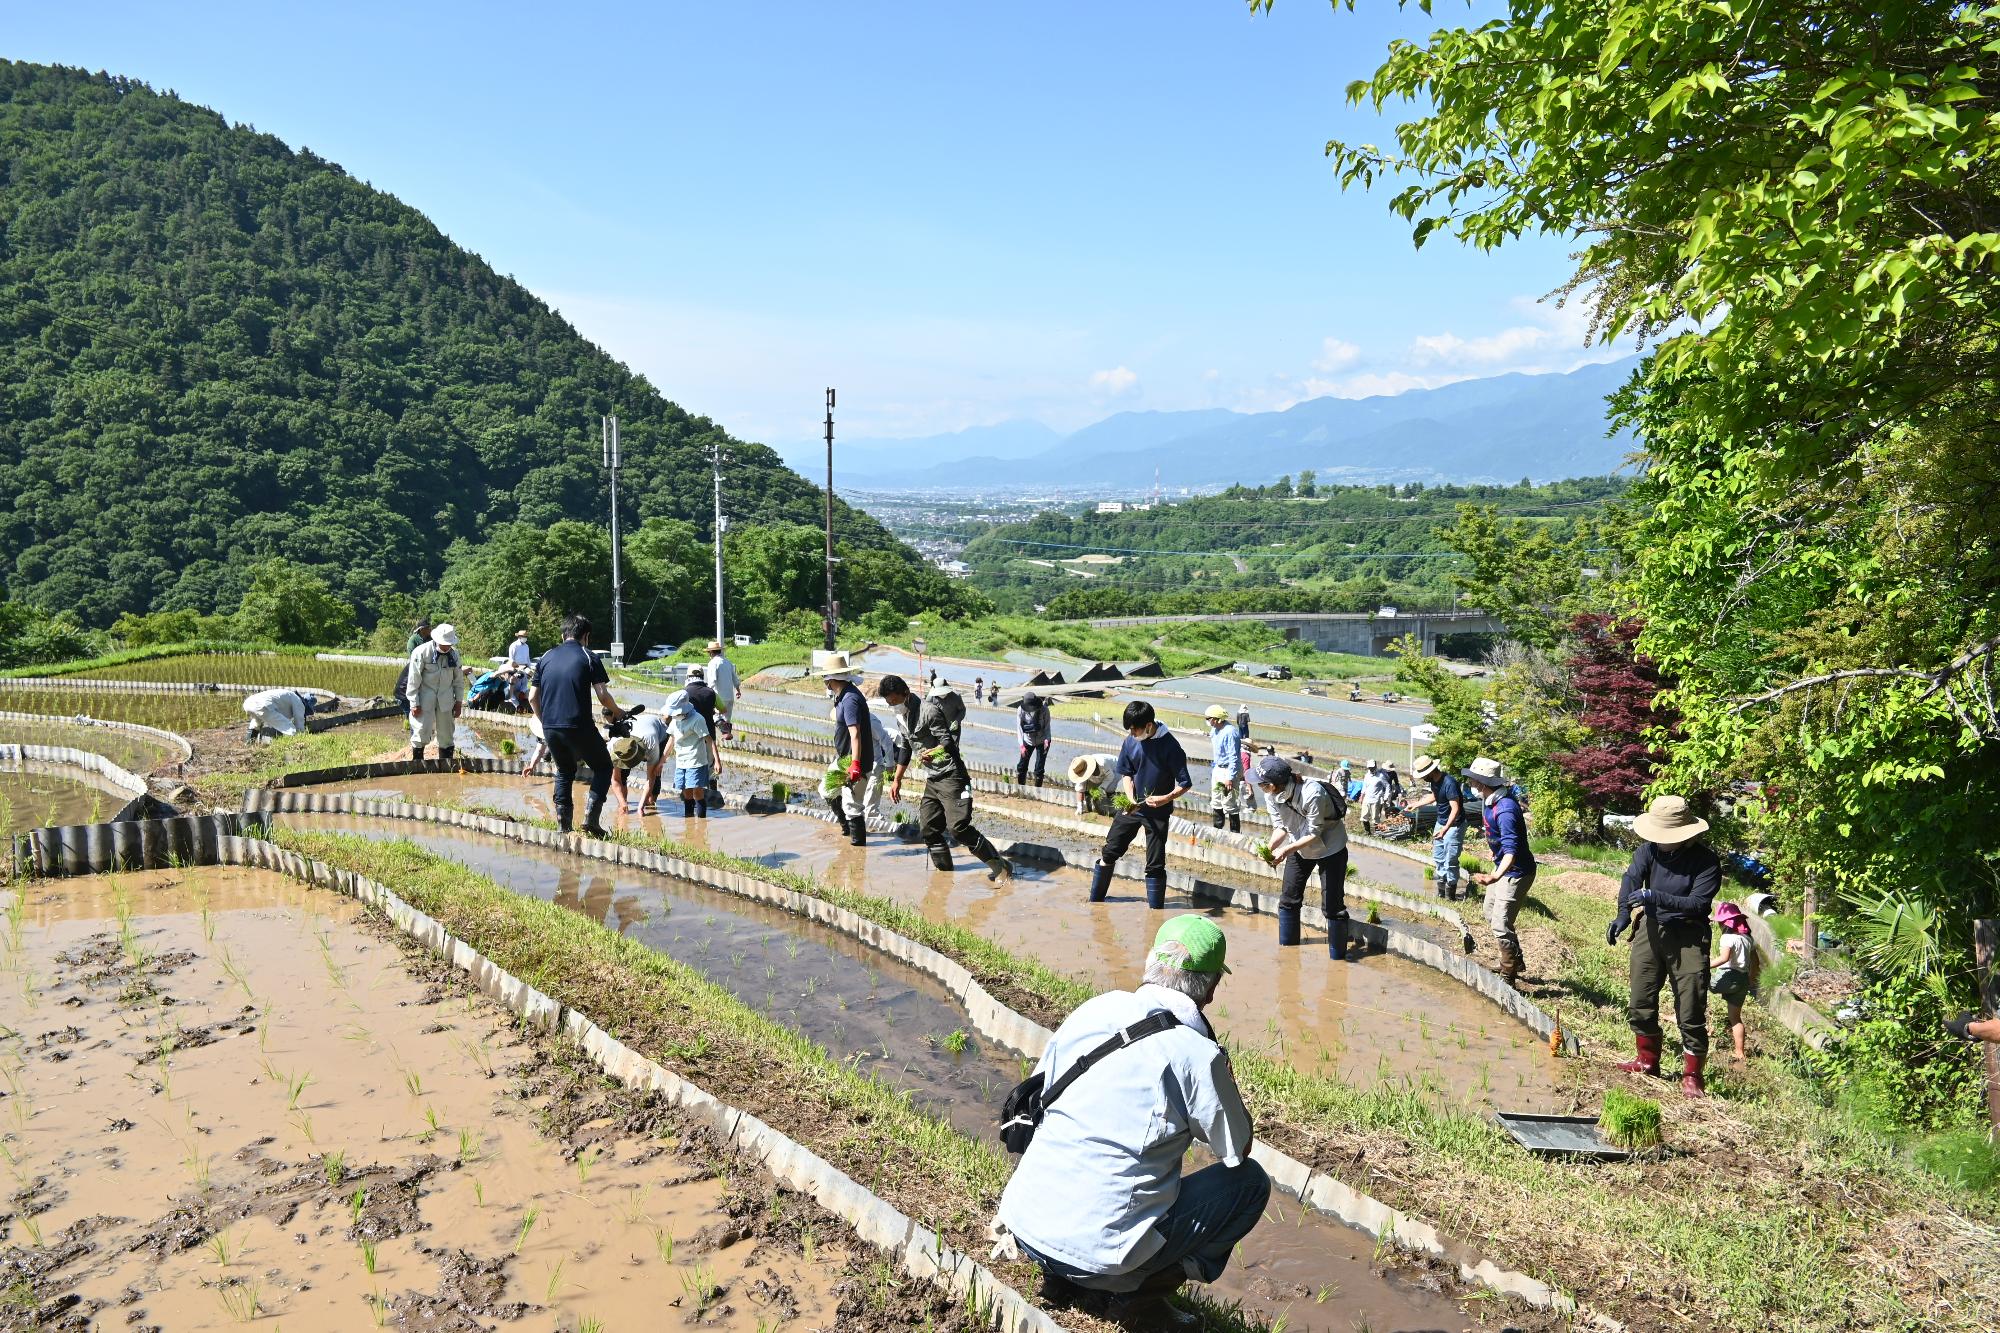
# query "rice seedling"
(663, 1244)
(368, 1257)
(584, 1163)
(197, 1168)
(1633, 1123)
(355, 1203)
(528, 1220)
(414, 1081)
(334, 1165)
(378, 1308)
(33, 1227)
(555, 1280)
(701, 1288)
(955, 1041)
(241, 1301)
(591, 1324)
(295, 1086)
(479, 1193)
(303, 1122)
(219, 1246)
(468, 1146)
(431, 1124)
(635, 1204)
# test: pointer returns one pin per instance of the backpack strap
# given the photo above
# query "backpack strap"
(1158, 1021)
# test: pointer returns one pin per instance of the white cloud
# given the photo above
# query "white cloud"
(1335, 354)
(1114, 383)
(1506, 346)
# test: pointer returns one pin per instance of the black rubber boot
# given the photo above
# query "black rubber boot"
(1216, 818)
(687, 807)
(1235, 823)
(1038, 779)
(1336, 936)
(444, 756)
(1156, 892)
(1288, 925)
(593, 808)
(857, 831)
(1100, 883)
(941, 856)
(416, 756)
(701, 808)
(982, 847)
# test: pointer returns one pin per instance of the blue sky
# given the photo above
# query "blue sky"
(957, 214)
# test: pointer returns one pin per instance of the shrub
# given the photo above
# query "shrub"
(1896, 1067)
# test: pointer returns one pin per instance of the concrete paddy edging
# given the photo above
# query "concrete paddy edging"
(918, 1250)
(63, 756)
(992, 1019)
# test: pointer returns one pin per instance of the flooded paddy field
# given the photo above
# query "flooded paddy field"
(230, 1100)
(51, 795)
(170, 712)
(132, 751)
(354, 680)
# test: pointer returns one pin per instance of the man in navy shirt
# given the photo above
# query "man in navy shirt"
(853, 741)
(565, 679)
(1155, 771)
(1448, 836)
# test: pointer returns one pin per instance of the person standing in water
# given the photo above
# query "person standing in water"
(928, 731)
(1155, 772)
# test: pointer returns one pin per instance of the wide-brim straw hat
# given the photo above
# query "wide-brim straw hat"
(1487, 773)
(1668, 821)
(1425, 766)
(714, 646)
(840, 667)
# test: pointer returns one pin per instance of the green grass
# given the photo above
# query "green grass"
(350, 679)
(137, 753)
(169, 712)
(1181, 647)
(748, 661)
(128, 657)
(299, 754)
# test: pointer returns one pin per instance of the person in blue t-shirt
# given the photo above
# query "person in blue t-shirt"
(1513, 872)
(1448, 835)
(1155, 773)
(565, 679)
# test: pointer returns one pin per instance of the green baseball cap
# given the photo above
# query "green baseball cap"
(1203, 940)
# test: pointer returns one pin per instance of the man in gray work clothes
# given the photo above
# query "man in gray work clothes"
(1098, 1201)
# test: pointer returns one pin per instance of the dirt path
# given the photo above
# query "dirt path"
(230, 1097)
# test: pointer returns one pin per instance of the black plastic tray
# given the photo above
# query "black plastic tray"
(1560, 1135)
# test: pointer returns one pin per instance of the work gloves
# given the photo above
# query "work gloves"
(854, 769)
(1617, 927)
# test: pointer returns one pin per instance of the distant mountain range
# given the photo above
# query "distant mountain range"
(1501, 429)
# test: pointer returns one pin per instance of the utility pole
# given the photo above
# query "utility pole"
(715, 456)
(832, 611)
(612, 459)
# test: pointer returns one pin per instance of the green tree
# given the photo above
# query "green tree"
(1535, 577)
(668, 557)
(1308, 484)
(288, 603)
(1800, 201)
(1455, 703)
(770, 569)
(529, 577)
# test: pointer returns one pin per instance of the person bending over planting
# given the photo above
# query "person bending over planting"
(1666, 896)
(1155, 771)
(645, 744)
(1130, 1082)
(1311, 838)
(928, 732)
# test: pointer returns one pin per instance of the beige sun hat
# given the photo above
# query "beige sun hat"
(445, 636)
(1425, 766)
(1668, 821)
(1488, 773)
(839, 666)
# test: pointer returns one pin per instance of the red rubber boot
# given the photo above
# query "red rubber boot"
(1647, 1062)
(1691, 1080)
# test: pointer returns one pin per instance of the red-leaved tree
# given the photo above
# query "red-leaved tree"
(1616, 688)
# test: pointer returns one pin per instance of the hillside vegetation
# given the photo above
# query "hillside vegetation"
(216, 350)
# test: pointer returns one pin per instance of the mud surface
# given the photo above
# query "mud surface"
(1294, 1267)
(41, 797)
(229, 1102)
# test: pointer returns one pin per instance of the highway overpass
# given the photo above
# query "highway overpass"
(1364, 632)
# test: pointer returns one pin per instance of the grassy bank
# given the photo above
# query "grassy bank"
(1178, 647)
(679, 1018)
(1769, 1209)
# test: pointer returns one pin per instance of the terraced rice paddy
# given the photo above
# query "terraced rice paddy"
(354, 680)
(132, 752)
(172, 712)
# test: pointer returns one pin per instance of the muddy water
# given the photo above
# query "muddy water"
(888, 1018)
(1301, 1265)
(1381, 1019)
(129, 750)
(42, 797)
(181, 1116)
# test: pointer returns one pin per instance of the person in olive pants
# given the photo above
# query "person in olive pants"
(1666, 897)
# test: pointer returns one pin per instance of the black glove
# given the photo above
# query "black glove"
(1617, 928)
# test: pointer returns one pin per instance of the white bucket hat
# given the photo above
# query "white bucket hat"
(445, 636)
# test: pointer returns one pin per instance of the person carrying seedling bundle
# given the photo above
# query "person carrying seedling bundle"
(1155, 770)
(1666, 896)
(1513, 872)
(1448, 836)
(1127, 1085)
(1035, 731)
(852, 743)
(1310, 838)
(1226, 784)
(437, 693)
(927, 730)
(646, 744)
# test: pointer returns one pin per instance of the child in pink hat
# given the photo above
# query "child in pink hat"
(1731, 967)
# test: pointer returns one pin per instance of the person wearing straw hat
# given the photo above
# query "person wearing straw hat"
(852, 742)
(1226, 784)
(1131, 1081)
(437, 693)
(1090, 775)
(1513, 872)
(1666, 896)
(1311, 838)
(1448, 834)
(646, 745)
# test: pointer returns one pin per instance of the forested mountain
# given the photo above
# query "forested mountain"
(216, 349)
